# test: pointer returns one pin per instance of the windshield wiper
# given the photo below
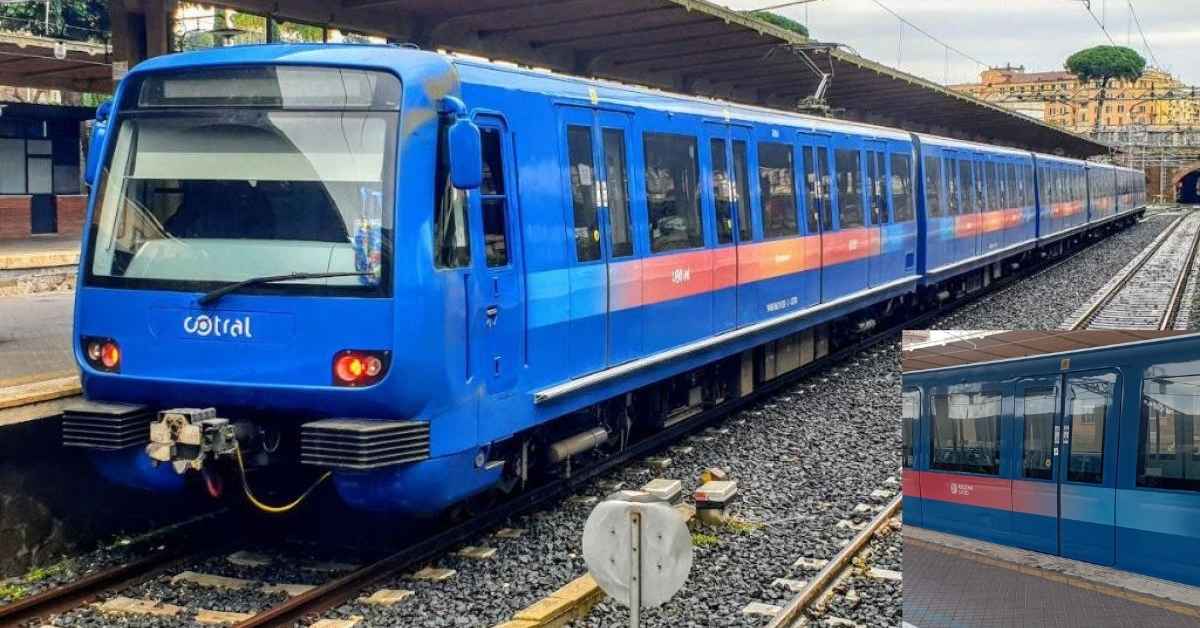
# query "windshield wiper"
(255, 281)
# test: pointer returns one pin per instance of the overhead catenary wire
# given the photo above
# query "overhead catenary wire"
(1145, 40)
(928, 34)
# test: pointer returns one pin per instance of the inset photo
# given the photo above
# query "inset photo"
(1051, 478)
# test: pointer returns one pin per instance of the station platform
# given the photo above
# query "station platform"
(38, 264)
(955, 582)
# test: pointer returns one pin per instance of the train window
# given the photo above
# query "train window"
(672, 192)
(492, 199)
(966, 178)
(582, 168)
(849, 182)
(451, 235)
(952, 179)
(993, 188)
(911, 413)
(875, 176)
(1169, 444)
(616, 176)
(902, 195)
(820, 211)
(1088, 399)
(1012, 187)
(777, 188)
(722, 191)
(981, 199)
(740, 174)
(826, 189)
(933, 187)
(1038, 457)
(966, 433)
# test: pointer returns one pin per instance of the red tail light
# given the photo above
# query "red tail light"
(103, 354)
(359, 368)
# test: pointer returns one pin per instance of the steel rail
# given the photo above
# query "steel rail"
(1085, 320)
(1185, 273)
(831, 573)
(88, 588)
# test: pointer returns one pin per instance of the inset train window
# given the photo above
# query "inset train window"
(617, 177)
(1169, 443)
(741, 173)
(493, 201)
(672, 192)
(1040, 410)
(1087, 403)
(722, 191)
(910, 413)
(933, 187)
(966, 433)
(777, 188)
(902, 193)
(848, 166)
(582, 168)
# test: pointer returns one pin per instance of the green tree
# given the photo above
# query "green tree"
(1103, 64)
(780, 21)
(80, 20)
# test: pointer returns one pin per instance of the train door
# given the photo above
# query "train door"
(587, 272)
(878, 212)
(723, 196)
(624, 330)
(500, 288)
(818, 210)
(1087, 476)
(743, 222)
(845, 251)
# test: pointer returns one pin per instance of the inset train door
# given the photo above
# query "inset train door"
(1087, 473)
(1064, 485)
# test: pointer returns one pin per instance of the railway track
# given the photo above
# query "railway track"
(315, 600)
(1149, 292)
(810, 602)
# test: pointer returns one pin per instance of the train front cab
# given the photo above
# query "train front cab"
(1078, 456)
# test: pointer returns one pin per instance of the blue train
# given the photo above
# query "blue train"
(437, 276)
(1091, 454)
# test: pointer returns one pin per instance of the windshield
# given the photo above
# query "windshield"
(194, 198)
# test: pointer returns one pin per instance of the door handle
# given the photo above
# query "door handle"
(492, 312)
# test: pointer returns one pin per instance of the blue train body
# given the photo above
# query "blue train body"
(1089, 454)
(621, 238)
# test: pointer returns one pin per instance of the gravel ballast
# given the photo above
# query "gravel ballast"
(1045, 300)
(803, 460)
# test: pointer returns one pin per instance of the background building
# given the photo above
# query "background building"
(1156, 100)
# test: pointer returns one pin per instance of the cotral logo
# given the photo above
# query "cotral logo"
(217, 327)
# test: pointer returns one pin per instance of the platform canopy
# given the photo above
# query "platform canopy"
(922, 352)
(690, 46)
(31, 61)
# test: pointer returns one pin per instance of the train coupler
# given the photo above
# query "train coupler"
(187, 437)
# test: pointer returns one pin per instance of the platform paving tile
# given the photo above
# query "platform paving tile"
(944, 590)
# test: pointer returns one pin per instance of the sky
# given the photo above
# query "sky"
(1039, 34)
